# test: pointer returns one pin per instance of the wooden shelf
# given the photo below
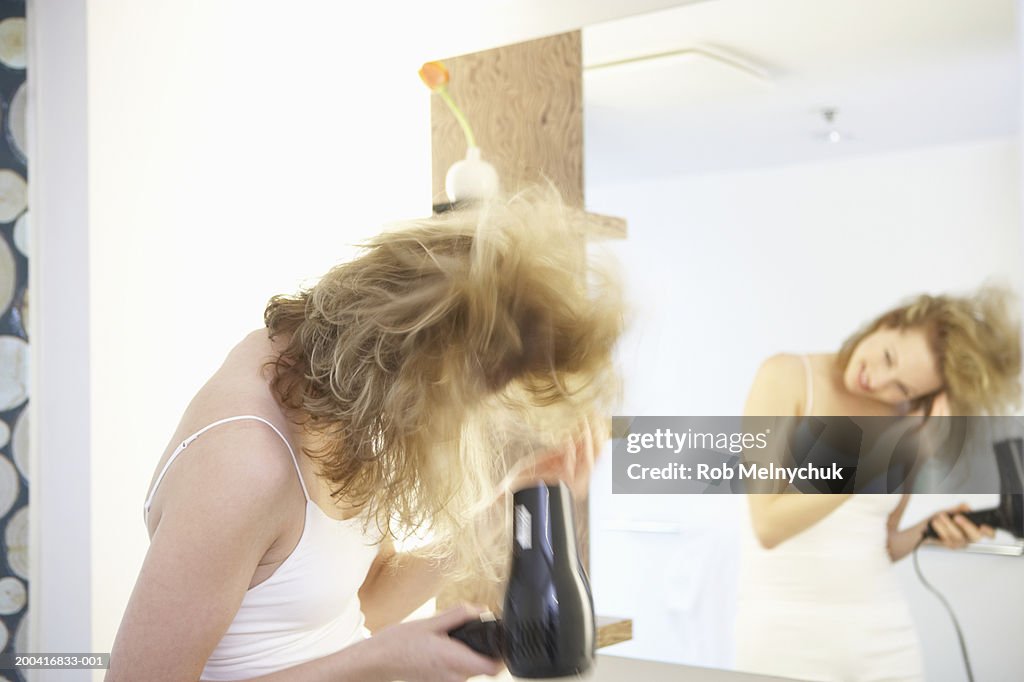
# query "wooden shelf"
(595, 225)
(613, 630)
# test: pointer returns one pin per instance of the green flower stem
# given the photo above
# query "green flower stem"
(470, 140)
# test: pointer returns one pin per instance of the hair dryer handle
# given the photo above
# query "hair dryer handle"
(483, 635)
(989, 517)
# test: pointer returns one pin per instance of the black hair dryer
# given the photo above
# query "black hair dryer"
(547, 629)
(1009, 515)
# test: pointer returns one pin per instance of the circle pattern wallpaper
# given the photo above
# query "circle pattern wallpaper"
(15, 239)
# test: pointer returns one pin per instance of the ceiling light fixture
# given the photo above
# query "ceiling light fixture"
(833, 135)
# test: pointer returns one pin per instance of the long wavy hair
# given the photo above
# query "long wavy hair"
(975, 339)
(446, 354)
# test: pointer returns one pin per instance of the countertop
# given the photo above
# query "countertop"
(621, 669)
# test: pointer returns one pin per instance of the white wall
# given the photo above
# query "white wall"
(727, 269)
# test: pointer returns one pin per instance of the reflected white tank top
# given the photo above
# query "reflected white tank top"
(825, 604)
(309, 607)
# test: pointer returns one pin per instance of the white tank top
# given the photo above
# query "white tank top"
(309, 607)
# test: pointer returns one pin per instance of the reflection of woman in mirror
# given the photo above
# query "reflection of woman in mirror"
(818, 599)
(398, 394)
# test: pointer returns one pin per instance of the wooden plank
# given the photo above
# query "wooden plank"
(613, 630)
(525, 105)
(597, 226)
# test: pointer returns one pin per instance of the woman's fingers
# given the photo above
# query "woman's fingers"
(941, 406)
(571, 463)
(583, 453)
(462, 658)
(973, 532)
(588, 448)
(956, 531)
(949, 533)
(423, 651)
(969, 530)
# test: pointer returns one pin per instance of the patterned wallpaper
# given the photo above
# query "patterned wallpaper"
(14, 348)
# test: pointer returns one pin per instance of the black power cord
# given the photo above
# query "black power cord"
(956, 624)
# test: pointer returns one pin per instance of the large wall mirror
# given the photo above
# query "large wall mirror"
(790, 169)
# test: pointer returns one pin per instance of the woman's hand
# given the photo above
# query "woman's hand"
(941, 406)
(422, 651)
(956, 531)
(572, 463)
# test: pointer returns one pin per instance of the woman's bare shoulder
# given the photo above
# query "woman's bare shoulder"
(778, 386)
(241, 464)
(783, 371)
(238, 454)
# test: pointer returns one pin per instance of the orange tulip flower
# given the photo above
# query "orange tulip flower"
(435, 76)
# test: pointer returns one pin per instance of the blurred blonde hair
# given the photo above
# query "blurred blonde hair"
(452, 349)
(976, 341)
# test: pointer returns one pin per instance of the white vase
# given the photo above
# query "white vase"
(471, 178)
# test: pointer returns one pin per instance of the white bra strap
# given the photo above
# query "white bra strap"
(810, 385)
(188, 441)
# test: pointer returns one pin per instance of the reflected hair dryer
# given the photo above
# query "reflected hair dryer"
(547, 629)
(1009, 515)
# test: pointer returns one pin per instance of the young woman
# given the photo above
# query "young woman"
(392, 397)
(818, 599)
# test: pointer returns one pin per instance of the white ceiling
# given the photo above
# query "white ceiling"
(902, 73)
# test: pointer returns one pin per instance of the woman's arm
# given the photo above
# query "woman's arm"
(900, 543)
(397, 584)
(419, 650)
(778, 391)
